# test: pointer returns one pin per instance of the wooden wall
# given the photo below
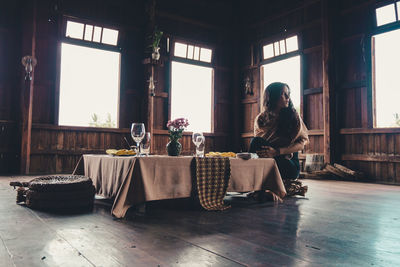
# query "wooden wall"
(10, 66)
(374, 151)
(301, 18)
(357, 144)
(216, 36)
(237, 31)
(57, 148)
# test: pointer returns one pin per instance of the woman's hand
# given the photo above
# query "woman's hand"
(267, 152)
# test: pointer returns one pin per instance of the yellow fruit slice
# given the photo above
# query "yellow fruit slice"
(111, 151)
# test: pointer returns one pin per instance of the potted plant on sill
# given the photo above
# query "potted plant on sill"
(157, 34)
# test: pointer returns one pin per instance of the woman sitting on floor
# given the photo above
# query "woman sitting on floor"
(279, 133)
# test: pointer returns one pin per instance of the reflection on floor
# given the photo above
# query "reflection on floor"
(338, 223)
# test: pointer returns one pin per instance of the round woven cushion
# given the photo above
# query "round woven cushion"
(62, 196)
(60, 183)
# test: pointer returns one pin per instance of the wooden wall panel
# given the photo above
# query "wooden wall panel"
(311, 37)
(354, 18)
(9, 147)
(222, 120)
(160, 113)
(315, 146)
(57, 149)
(313, 116)
(312, 69)
(375, 153)
(353, 107)
(249, 115)
(352, 64)
(10, 75)
(10, 66)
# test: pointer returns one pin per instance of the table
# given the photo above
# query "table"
(134, 180)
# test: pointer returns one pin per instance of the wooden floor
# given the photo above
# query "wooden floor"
(339, 223)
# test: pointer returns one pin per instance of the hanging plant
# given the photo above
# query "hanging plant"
(157, 34)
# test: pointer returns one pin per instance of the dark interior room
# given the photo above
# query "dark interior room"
(199, 133)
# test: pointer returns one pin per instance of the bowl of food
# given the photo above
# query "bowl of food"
(121, 152)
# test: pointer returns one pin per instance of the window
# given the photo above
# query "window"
(387, 14)
(193, 52)
(286, 71)
(89, 78)
(91, 33)
(191, 86)
(280, 47)
(385, 58)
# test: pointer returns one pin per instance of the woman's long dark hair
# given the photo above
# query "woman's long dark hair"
(288, 120)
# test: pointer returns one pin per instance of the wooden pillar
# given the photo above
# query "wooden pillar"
(328, 13)
(150, 109)
(236, 107)
(149, 71)
(29, 47)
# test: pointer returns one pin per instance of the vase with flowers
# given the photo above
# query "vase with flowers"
(175, 130)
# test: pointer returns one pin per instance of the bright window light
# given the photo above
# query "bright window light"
(191, 91)
(276, 48)
(385, 15)
(268, 51)
(180, 50)
(282, 46)
(387, 83)
(89, 87)
(292, 44)
(190, 51)
(286, 71)
(88, 32)
(196, 53)
(110, 36)
(205, 55)
(398, 10)
(97, 34)
(74, 30)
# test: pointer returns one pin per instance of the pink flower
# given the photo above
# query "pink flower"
(178, 124)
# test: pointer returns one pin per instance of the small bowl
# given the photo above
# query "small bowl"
(243, 155)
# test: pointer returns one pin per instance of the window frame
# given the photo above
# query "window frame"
(372, 117)
(90, 44)
(298, 52)
(171, 45)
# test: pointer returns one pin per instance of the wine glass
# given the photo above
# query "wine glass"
(145, 145)
(198, 140)
(137, 132)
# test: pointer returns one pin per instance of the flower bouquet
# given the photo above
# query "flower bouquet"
(175, 130)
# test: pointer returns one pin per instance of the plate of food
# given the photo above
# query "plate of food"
(221, 154)
(120, 152)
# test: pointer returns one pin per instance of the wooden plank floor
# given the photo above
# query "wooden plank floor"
(338, 224)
